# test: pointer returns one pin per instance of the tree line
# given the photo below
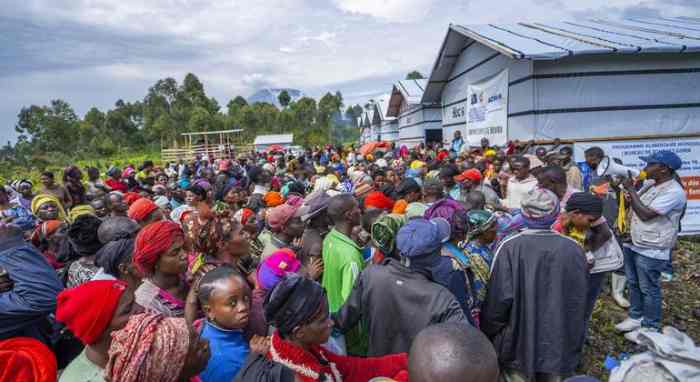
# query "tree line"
(169, 109)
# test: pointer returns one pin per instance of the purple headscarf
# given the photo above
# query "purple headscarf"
(444, 208)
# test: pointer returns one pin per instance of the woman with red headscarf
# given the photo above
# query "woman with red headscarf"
(26, 359)
(93, 323)
(159, 256)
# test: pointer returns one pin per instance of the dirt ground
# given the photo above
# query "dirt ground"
(680, 297)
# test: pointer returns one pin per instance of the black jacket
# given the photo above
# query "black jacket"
(535, 307)
(395, 303)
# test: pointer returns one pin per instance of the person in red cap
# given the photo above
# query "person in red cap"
(93, 323)
(159, 257)
(471, 180)
(144, 211)
(26, 359)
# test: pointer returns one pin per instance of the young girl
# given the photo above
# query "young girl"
(225, 299)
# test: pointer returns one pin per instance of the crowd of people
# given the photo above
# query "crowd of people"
(423, 264)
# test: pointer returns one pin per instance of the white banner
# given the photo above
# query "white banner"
(487, 110)
(688, 149)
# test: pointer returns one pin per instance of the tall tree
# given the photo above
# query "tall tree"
(415, 75)
(284, 98)
(240, 101)
(51, 128)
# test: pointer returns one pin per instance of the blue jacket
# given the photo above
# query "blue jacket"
(24, 308)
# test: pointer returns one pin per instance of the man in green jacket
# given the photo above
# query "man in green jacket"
(342, 261)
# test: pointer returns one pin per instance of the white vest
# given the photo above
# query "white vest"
(661, 231)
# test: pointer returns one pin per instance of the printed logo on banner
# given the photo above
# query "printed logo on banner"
(487, 110)
(630, 151)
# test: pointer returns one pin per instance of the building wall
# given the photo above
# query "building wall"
(476, 63)
(613, 96)
(390, 130)
(583, 97)
(414, 119)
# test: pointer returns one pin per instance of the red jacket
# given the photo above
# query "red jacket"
(116, 185)
(308, 367)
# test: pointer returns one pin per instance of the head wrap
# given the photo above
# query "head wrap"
(131, 197)
(140, 209)
(384, 232)
(42, 199)
(203, 183)
(377, 199)
(273, 199)
(26, 359)
(152, 241)
(81, 239)
(113, 254)
(444, 208)
(179, 213)
(585, 203)
(115, 228)
(479, 222)
(162, 202)
(363, 190)
(399, 207)
(540, 208)
(243, 215)
(293, 301)
(78, 308)
(151, 347)
(280, 215)
(416, 164)
(415, 210)
(274, 267)
(83, 209)
(44, 230)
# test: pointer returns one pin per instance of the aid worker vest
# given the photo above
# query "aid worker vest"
(661, 231)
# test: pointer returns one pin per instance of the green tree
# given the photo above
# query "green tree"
(284, 98)
(200, 120)
(51, 128)
(415, 75)
(240, 101)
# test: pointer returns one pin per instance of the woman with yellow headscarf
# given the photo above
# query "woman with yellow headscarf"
(48, 207)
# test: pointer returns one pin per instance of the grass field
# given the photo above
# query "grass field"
(680, 297)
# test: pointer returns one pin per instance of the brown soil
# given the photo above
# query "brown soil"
(680, 297)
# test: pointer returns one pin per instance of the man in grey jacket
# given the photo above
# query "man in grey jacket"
(535, 307)
(397, 299)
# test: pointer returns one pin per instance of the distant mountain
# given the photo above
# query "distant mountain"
(271, 96)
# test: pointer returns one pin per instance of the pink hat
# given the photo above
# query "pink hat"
(274, 267)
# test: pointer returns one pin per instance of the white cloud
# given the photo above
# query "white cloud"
(237, 46)
(402, 11)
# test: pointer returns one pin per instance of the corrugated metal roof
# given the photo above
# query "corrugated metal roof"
(274, 139)
(409, 90)
(382, 106)
(412, 90)
(553, 40)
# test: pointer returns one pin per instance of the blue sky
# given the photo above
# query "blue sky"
(93, 52)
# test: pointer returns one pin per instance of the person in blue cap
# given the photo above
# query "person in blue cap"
(397, 298)
(656, 211)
